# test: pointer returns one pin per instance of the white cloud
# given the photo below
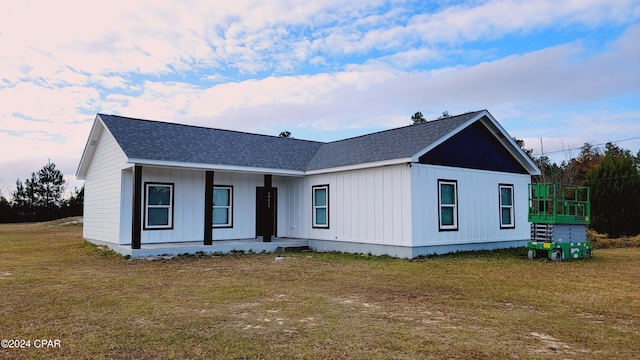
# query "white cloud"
(159, 37)
(155, 37)
(473, 21)
(561, 74)
(492, 19)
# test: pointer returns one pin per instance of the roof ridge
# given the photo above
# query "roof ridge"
(208, 128)
(406, 126)
(278, 137)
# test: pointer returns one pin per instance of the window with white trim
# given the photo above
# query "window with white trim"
(320, 206)
(448, 204)
(506, 206)
(222, 206)
(158, 206)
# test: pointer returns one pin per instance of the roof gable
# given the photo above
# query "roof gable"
(474, 147)
(89, 149)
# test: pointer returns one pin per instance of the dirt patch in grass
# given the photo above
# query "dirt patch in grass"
(485, 305)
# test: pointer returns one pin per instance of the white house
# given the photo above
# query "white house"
(458, 183)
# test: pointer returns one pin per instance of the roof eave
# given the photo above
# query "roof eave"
(218, 167)
(89, 148)
(390, 162)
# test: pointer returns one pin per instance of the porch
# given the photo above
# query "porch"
(255, 245)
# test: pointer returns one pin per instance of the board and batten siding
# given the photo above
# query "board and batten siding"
(126, 205)
(102, 191)
(188, 210)
(244, 204)
(188, 205)
(478, 206)
(286, 206)
(370, 206)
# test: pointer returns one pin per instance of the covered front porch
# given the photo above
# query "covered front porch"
(256, 245)
(185, 212)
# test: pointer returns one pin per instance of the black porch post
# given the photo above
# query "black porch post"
(208, 208)
(136, 221)
(268, 187)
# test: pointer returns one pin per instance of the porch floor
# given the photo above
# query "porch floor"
(218, 246)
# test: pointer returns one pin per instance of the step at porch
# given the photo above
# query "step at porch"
(292, 248)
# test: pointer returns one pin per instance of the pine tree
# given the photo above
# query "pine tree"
(24, 201)
(445, 114)
(49, 187)
(40, 198)
(6, 215)
(75, 203)
(615, 193)
(418, 118)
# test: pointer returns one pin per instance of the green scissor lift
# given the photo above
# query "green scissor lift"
(559, 215)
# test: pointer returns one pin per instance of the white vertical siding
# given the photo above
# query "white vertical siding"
(478, 206)
(126, 206)
(188, 205)
(188, 220)
(244, 204)
(102, 191)
(367, 206)
(287, 206)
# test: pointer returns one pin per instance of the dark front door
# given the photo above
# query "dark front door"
(266, 214)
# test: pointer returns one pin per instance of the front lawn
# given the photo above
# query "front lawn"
(485, 305)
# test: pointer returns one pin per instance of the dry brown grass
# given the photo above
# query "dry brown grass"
(602, 241)
(484, 305)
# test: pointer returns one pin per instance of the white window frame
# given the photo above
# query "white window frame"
(512, 223)
(148, 206)
(228, 207)
(316, 207)
(454, 206)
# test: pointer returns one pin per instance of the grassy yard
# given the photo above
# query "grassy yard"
(488, 305)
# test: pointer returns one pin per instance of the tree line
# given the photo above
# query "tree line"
(41, 198)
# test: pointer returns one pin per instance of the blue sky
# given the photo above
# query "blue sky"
(555, 72)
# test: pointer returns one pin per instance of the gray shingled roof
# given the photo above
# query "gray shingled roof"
(385, 145)
(161, 141)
